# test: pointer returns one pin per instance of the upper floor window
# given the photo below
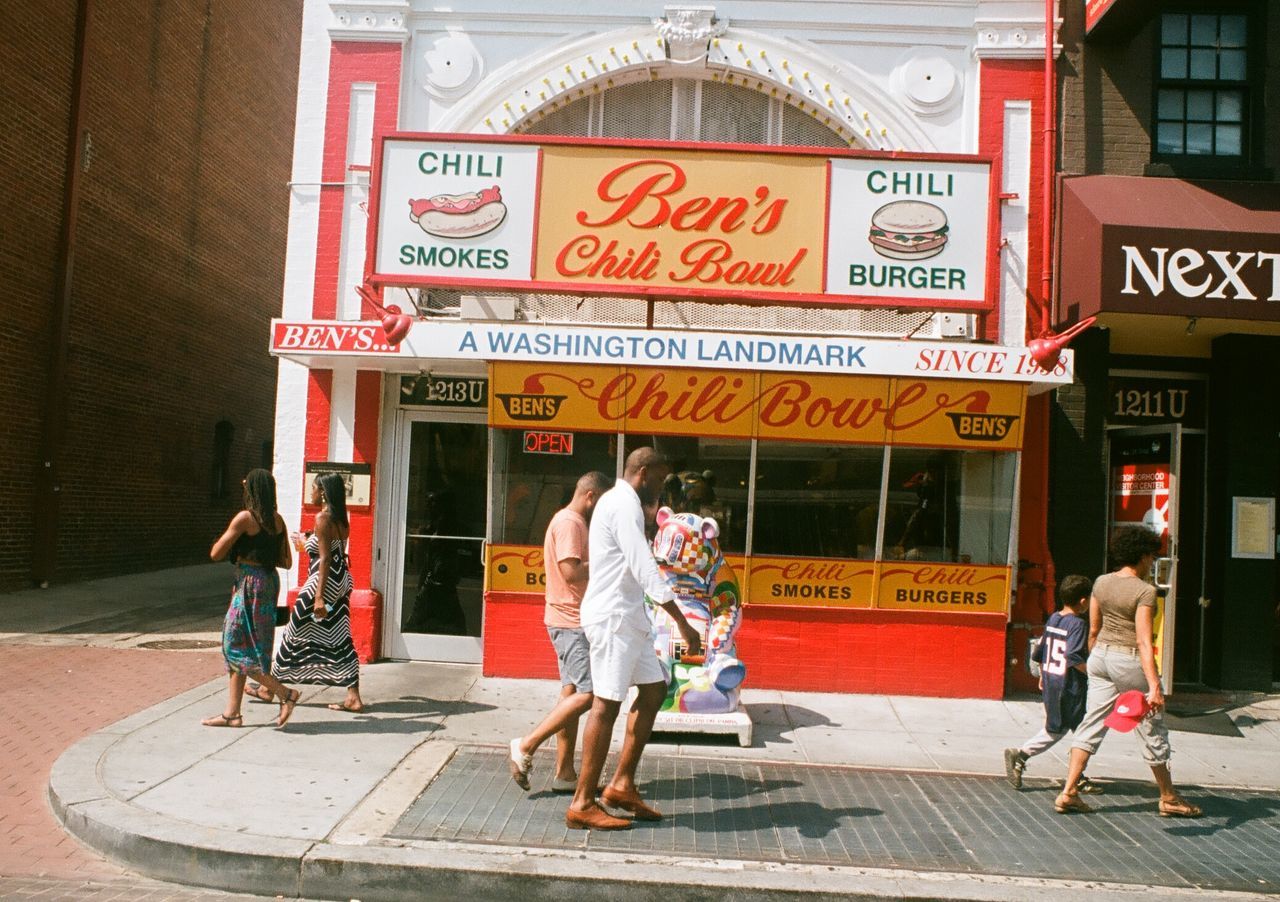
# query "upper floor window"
(1202, 100)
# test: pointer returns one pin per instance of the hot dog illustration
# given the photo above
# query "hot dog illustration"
(460, 215)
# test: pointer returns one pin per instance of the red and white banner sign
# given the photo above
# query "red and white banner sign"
(358, 338)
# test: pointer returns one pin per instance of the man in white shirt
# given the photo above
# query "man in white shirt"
(620, 636)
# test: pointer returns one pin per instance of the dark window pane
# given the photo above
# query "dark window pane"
(1173, 63)
(532, 487)
(1204, 64)
(1230, 106)
(1200, 106)
(1204, 31)
(1171, 104)
(1200, 139)
(1231, 65)
(1229, 140)
(949, 505)
(708, 478)
(1232, 31)
(1173, 29)
(1169, 137)
(817, 501)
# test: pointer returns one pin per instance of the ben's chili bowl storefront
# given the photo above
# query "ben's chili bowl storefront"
(866, 490)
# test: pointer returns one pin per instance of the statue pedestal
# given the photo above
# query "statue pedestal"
(734, 722)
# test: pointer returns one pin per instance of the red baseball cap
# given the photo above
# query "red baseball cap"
(1130, 708)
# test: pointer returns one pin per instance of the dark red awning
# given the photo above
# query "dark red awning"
(1169, 247)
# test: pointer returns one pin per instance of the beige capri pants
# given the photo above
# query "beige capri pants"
(1114, 669)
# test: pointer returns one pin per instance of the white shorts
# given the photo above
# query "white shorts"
(621, 657)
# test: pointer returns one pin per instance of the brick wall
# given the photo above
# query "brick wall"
(35, 93)
(1107, 85)
(178, 268)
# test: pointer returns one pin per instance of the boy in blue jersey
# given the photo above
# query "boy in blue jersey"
(1061, 654)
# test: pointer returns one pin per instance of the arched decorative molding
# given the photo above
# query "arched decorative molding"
(522, 91)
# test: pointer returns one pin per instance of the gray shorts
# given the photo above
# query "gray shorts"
(574, 657)
(1114, 670)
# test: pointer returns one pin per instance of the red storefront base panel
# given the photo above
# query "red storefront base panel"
(802, 649)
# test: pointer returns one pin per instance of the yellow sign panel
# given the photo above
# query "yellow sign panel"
(515, 568)
(689, 402)
(857, 410)
(687, 219)
(810, 582)
(551, 395)
(949, 588)
(834, 409)
(944, 413)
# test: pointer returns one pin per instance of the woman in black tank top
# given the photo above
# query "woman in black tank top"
(257, 544)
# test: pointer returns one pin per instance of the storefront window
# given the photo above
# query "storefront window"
(816, 501)
(536, 474)
(952, 506)
(709, 477)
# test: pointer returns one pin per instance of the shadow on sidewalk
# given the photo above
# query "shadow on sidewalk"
(809, 819)
(415, 711)
(727, 787)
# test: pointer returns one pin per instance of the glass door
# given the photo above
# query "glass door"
(1145, 463)
(437, 609)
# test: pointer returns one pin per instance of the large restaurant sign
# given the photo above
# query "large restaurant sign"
(665, 219)
(868, 410)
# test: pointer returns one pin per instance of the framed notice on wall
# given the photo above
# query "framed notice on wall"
(357, 478)
(1253, 528)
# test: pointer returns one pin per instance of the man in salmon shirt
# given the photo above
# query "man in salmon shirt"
(564, 555)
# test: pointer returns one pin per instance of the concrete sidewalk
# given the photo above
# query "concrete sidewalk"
(841, 796)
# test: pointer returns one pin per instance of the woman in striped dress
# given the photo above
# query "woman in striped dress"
(317, 646)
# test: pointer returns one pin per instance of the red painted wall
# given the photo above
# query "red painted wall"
(349, 63)
(802, 649)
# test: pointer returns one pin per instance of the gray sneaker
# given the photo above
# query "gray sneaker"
(1015, 762)
(1085, 785)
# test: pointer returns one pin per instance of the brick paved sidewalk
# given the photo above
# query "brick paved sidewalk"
(53, 696)
(809, 814)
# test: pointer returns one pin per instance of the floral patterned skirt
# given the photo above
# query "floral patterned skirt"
(249, 630)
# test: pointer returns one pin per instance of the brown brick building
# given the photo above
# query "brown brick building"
(145, 168)
(1169, 233)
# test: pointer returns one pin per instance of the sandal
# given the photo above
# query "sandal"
(345, 707)
(1179, 808)
(224, 720)
(259, 693)
(1073, 804)
(290, 701)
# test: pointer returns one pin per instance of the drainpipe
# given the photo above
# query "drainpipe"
(48, 479)
(1050, 171)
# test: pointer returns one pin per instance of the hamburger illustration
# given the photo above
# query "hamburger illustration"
(908, 230)
(460, 215)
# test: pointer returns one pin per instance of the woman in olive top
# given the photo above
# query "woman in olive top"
(1122, 658)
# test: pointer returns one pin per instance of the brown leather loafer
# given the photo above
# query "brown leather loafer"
(630, 801)
(595, 818)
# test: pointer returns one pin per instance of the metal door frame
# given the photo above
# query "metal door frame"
(424, 646)
(1170, 586)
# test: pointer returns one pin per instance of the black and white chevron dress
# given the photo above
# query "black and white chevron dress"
(320, 652)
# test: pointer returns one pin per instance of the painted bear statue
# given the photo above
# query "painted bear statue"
(687, 551)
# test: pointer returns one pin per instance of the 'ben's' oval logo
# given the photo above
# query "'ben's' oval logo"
(981, 427)
(532, 408)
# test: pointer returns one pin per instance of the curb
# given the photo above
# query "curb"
(177, 851)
